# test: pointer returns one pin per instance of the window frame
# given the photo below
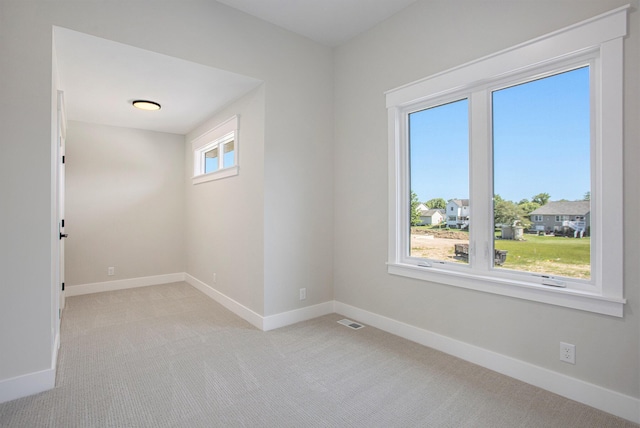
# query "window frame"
(597, 42)
(216, 137)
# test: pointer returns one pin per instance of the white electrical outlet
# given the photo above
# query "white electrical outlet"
(303, 293)
(111, 271)
(567, 353)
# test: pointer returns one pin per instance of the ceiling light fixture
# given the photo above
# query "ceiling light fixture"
(146, 105)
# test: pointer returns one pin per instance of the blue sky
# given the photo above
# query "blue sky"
(541, 142)
(211, 164)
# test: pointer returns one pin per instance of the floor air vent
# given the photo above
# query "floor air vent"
(351, 324)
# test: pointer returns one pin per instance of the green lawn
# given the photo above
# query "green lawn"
(554, 255)
(544, 254)
(436, 227)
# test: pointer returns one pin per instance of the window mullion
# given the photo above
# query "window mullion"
(399, 187)
(480, 186)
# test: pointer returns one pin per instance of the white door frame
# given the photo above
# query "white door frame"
(58, 293)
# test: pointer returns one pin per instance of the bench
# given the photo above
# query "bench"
(499, 256)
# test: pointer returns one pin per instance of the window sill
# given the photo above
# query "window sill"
(216, 175)
(522, 290)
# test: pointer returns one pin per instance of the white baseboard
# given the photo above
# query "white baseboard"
(267, 323)
(235, 307)
(592, 395)
(29, 384)
(587, 393)
(121, 284)
(54, 354)
(33, 383)
(272, 322)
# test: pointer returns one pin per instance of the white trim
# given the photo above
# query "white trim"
(218, 136)
(583, 392)
(216, 175)
(598, 42)
(587, 393)
(32, 383)
(536, 52)
(263, 323)
(54, 354)
(237, 308)
(519, 289)
(283, 319)
(28, 384)
(99, 287)
(227, 127)
(270, 322)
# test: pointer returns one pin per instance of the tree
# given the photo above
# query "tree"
(415, 214)
(437, 203)
(587, 196)
(541, 198)
(508, 213)
(528, 207)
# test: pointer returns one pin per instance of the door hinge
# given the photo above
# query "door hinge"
(63, 286)
(62, 222)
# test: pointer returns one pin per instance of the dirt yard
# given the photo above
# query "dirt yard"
(437, 245)
(440, 245)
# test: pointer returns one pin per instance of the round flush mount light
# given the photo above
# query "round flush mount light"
(146, 105)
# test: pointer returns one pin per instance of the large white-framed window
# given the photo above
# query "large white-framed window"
(215, 153)
(593, 48)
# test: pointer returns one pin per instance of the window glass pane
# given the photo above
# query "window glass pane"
(542, 175)
(228, 157)
(439, 182)
(211, 160)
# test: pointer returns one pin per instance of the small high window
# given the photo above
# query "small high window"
(215, 153)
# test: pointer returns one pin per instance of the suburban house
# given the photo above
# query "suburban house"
(562, 216)
(457, 213)
(289, 227)
(430, 216)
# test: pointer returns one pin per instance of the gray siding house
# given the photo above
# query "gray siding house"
(562, 216)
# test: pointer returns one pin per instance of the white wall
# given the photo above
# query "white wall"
(298, 150)
(424, 39)
(298, 183)
(224, 223)
(124, 203)
(312, 182)
(25, 195)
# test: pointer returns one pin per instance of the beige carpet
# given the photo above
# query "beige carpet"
(167, 356)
